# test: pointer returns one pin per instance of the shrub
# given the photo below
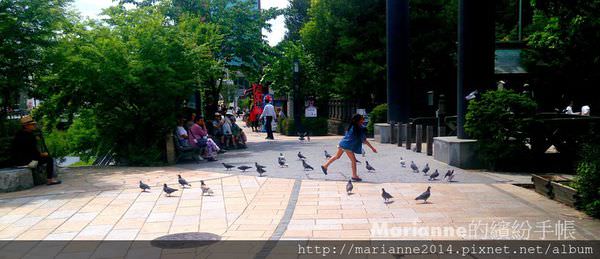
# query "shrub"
(80, 139)
(315, 126)
(587, 181)
(377, 115)
(498, 120)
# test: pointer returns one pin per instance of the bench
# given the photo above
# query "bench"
(184, 151)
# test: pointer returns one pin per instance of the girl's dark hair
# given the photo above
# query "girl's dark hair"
(197, 118)
(355, 124)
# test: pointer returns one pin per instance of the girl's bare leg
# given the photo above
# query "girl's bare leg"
(339, 153)
(353, 161)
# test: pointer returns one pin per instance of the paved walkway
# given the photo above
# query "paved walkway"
(105, 203)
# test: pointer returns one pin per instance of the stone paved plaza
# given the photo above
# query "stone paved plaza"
(287, 203)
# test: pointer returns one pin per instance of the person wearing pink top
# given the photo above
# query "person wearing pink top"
(199, 137)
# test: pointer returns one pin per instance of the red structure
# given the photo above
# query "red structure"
(258, 92)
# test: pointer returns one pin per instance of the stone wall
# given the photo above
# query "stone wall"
(15, 179)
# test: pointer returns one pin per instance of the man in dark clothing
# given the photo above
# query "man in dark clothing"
(25, 150)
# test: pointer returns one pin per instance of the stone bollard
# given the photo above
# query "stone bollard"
(170, 148)
(401, 131)
(407, 136)
(418, 137)
(429, 140)
(393, 135)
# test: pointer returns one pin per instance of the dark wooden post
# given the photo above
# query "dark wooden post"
(429, 140)
(407, 135)
(418, 137)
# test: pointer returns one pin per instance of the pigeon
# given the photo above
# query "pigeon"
(306, 166)
(450, 178)
(168, 190)
(369, 167)
(261, 166)
(434, 175)
(414, 167)
(349, 187)
(281, 157)
(358, 162)
(424, 196)
(261, 171)
(426, 169)
(244, 168)
(183, 182)
(300, 156)
(301, 136)
(327, 155)
(205, 189)
(402, 162)
(449, 174)
(386, 196)
(281, 162)
(228, 166)
(144, 186)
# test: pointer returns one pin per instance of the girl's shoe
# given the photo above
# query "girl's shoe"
(324, 170)
(357, 179)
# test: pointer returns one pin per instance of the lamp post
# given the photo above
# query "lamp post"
(297, 101)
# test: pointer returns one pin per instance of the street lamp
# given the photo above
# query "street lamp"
(297, 102)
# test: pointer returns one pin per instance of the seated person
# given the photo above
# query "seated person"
(585, 110)
(227, 138)
(198, 137)
(25, 150)
(217, 126)
(182, 134)
(239, 138)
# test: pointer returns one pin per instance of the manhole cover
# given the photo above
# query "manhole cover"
(185, 240)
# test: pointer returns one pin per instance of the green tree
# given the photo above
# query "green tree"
(347, 41)
(563, 55)
(279, 73)
(296, 15)
(28, 28)
(133, 70)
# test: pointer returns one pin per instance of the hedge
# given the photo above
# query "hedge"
(377, 115)
(314, 126)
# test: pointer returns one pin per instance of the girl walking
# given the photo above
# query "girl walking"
(351, 144)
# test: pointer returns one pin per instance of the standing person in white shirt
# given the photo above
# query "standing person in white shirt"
(269, 114)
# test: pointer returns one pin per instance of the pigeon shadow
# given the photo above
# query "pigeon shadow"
(388, 202)
(350, 193)
(423, 203)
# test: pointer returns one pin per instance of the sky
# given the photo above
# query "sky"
(91, 9)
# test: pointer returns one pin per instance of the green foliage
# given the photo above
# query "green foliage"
(132, 74)
(80, 139)
(57, 143)
(347, 40)
(280, 72)
(314, 126)
(562, 50)
(499, 121)
(587, 181)
(296, 15)
(28, 28)
(377, 115)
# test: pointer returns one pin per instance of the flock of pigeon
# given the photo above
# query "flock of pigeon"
(168, 190)
(260, 169)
